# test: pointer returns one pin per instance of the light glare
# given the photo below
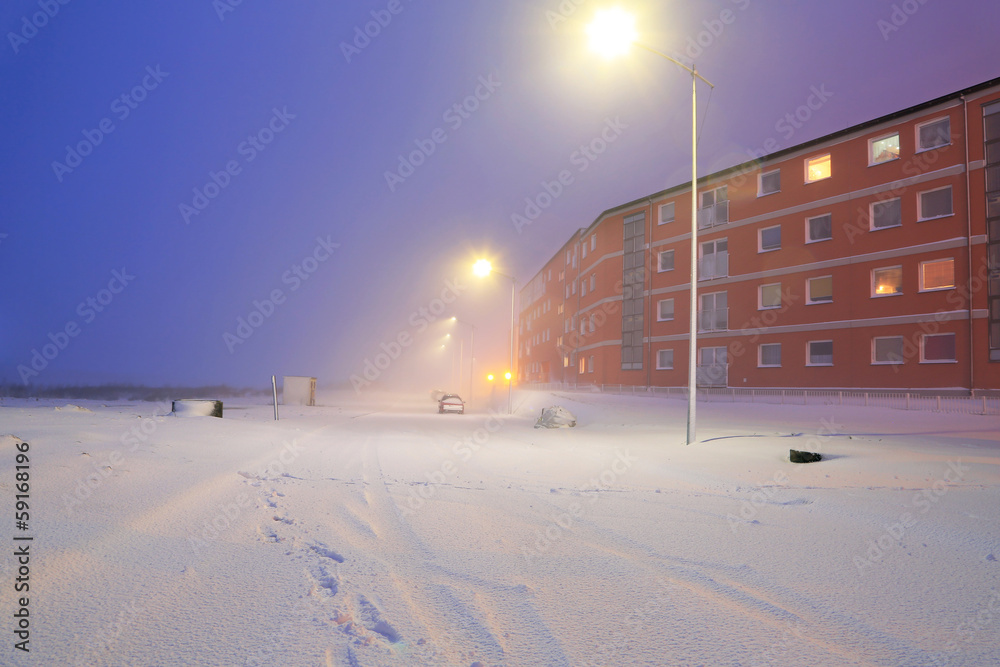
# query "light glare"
(482, 268)
(612, 32)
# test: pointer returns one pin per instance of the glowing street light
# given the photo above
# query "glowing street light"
(611, 34)
(483, 268)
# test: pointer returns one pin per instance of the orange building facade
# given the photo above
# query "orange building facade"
(866, 259)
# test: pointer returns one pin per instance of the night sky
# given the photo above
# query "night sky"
(201, 192)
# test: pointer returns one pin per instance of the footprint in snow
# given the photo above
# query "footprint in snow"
(326, 552)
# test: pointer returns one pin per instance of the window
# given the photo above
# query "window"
(887, 281)
(561, 309)
(882, 150)
(935, 204)
(583, 365)
(573, 286)
(665, 310)
(591, 324)
(666, 213)
(714, 259)
(820, 353)
(887, 350)
(937, 348)
(664, 360)
(818, 168)
(769, 183)
(590, 364)
(666, 262)
(937, 274)
(593, 282)
(714, 207)
(769, 355)
(819, 290)
(593, 242)
(769, 296)
(583, 288)
(934, 134)
(886, 214)
(714, 313)
(769, 238)
(583, 254)
(819, 228)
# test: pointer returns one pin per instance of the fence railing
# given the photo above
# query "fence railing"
(914, 400)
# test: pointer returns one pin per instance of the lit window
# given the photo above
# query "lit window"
(666, 262)
(937, 348)
(819, 228)
(583, 365)
(887, 350)
(938, 274)
(818, 168)
(770, 296)
(769, 183)
(665, 310)
(666, 213)
(935, 204)
(769, 355)
(887, 281)
(819, 290)
(883, 150)
(664, 360)
(885, 214)
(769, 238)
(820, 353)
(934, 134)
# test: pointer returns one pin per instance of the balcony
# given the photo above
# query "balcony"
(714, 215)
(715, 319)
(712, 375)
(715, 265)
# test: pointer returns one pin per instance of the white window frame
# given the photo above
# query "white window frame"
(760, 182)
(809, 160)
(659, 365)
(809, 361)
(920, 204)
(760, 355)
(673, 213)
(920, 274)
(760, 296)
(923, 339)
(871, 142)
(659, 310)
(760, 239)
(871, 214)
(901, 360)
(921, 149)
(871, 282)
(809, 300)
(809, 238)
(659, 261)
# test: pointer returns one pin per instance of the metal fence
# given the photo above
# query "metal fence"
(897, 400)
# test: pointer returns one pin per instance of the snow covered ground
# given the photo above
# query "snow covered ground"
(373, 531)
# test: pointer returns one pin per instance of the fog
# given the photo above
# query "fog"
(209, 193)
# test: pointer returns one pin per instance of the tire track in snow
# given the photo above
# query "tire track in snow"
(451, 614)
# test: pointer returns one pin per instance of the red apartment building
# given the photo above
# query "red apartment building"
(869, 258)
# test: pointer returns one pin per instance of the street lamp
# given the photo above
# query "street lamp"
(611, 34)
(472, 354)
(483, 268)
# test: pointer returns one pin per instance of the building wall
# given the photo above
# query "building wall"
(838, 296)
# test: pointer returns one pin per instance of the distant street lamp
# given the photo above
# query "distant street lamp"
(611, 34)
(483, 268)
(472, 355)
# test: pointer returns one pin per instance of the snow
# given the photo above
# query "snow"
(370, 530)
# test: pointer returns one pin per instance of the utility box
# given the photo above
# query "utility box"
(298, 390)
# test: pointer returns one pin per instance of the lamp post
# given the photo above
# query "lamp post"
(483, 268)
(611, 34)
(472, 354)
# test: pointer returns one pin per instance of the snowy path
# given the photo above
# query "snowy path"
(379, 533)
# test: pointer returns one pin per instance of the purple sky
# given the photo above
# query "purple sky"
(286, 123)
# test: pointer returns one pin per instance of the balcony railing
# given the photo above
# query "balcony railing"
(716, 214)
(715, 319)
(715, 265)
(712, 375)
